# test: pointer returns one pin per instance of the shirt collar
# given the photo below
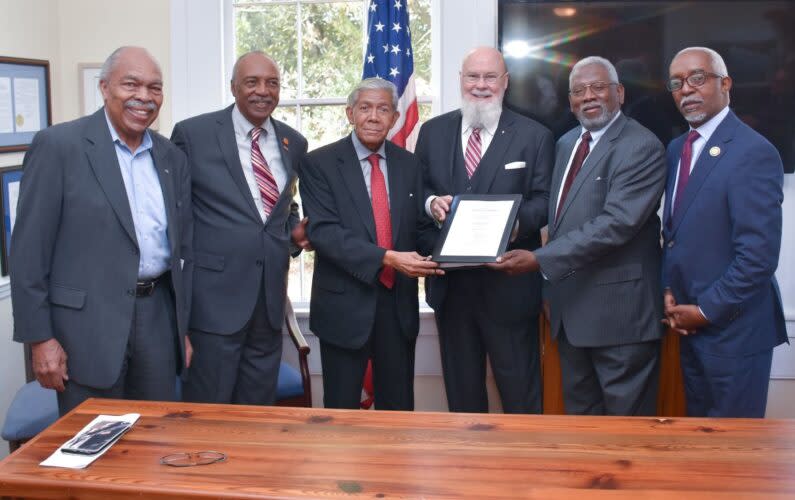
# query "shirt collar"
(362, 151)
(597, 134)
(491, 128)
(243, 127)
(146, 143)
(708, 127)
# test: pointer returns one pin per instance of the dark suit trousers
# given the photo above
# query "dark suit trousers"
(241, 368)
(149, 369)
(393, 363)
(718, 386)
(467, 334)
(612, 380)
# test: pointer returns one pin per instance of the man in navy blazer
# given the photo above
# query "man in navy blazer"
(366, 222)
(100, 258)
(243, 170)
(722, 234)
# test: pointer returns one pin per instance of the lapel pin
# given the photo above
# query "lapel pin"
(165, 170)
(285, 143)
(411, 195)
(714, 151)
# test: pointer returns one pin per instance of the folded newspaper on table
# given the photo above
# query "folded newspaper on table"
(91, 442)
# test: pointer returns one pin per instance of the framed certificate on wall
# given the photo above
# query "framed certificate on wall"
(9, 179)
(25, 104)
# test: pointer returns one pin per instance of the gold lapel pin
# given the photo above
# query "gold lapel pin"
(714, 151)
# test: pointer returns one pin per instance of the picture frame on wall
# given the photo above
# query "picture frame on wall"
(25, 101)
(90, 96)
(10, 178)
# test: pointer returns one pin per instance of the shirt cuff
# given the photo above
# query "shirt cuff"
(428, 206)
(702, 313)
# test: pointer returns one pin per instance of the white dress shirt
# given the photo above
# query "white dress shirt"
(705, 131)
(269, 145)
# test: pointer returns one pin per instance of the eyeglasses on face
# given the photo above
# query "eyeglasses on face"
(489, 78)
(596, 87)
(695, 79)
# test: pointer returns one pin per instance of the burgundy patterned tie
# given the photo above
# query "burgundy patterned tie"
(576, 164)
(472, 155)
(684, 168)
(262, 173)
(383, 220)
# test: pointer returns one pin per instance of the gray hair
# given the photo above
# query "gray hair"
(374, 84)
(260, 52)
(611, 70)
(110, 63)
(718, 65)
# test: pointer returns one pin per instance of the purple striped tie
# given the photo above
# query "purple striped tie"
(262, 173)
(472, 155)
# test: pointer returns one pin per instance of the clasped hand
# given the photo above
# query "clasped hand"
(684, 319)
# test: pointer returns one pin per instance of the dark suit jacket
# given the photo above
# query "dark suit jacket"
(603, 255)
(237, 256)
(511, 299)
(722, 244)
(342, 231)
(74, 254)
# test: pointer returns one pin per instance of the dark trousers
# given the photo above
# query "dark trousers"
(149, 369)
(612, 380)
(718, 386)
(240, 368)
(393, 363)
(467, 334)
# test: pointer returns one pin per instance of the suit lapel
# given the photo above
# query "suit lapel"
(672, 160)
(453, 139)
(396, 189)
(351, 172)
(228, 145)
(563, 154)
(492, 161)
(704, 165)
(604, 145)
(165, 176)
(103, 160)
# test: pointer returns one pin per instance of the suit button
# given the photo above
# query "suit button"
(131, 292)
(469, 189)
(259, 263)
(671, 244)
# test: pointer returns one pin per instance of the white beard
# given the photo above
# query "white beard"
(480, 114)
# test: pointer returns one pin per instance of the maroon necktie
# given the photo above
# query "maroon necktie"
(684, 168)
(576, 164)
(383, 221)
(472, 155)
(268, 189)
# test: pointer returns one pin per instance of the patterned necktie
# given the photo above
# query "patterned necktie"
(576, 164)
(684, 168)
(262, 174)
(383, 220)
(472, 155)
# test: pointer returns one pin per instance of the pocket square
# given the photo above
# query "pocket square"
(515, 164)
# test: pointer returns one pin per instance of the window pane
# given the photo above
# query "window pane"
(271, 29)
(289, 115)
(420, 23)
(332, 48)
(323, 124)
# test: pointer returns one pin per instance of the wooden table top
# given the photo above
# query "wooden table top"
(317, 453)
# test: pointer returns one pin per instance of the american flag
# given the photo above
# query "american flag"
(389, 56)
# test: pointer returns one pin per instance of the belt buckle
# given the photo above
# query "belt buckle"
(144, 288)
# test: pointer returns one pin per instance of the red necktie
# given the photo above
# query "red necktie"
(472, 155)
(262, 174)
(576, 164)
(684, 167)
(383, 221)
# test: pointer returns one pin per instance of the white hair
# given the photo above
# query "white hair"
(110, 63)
(374, 84)
(718, 65)
(611, 70)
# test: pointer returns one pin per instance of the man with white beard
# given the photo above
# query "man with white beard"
(485, 149)
(602, 261)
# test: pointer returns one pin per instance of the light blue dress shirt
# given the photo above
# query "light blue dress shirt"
(362, 152)
(146, 204)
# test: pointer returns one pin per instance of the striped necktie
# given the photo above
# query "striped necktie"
(262, 174)
(472, 155)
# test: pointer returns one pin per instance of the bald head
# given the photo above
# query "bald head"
(484, 56)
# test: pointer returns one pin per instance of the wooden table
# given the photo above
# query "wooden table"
(317, 453)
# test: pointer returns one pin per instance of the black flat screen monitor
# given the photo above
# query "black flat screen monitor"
(541, 41)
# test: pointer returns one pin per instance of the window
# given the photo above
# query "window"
(319, 47)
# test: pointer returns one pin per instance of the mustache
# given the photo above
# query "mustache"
(260, 100)
(137, 103)
(690, 100)
(481, 93)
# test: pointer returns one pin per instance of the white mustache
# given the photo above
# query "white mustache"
(136, 103)
(690, 100)
(260, 100)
